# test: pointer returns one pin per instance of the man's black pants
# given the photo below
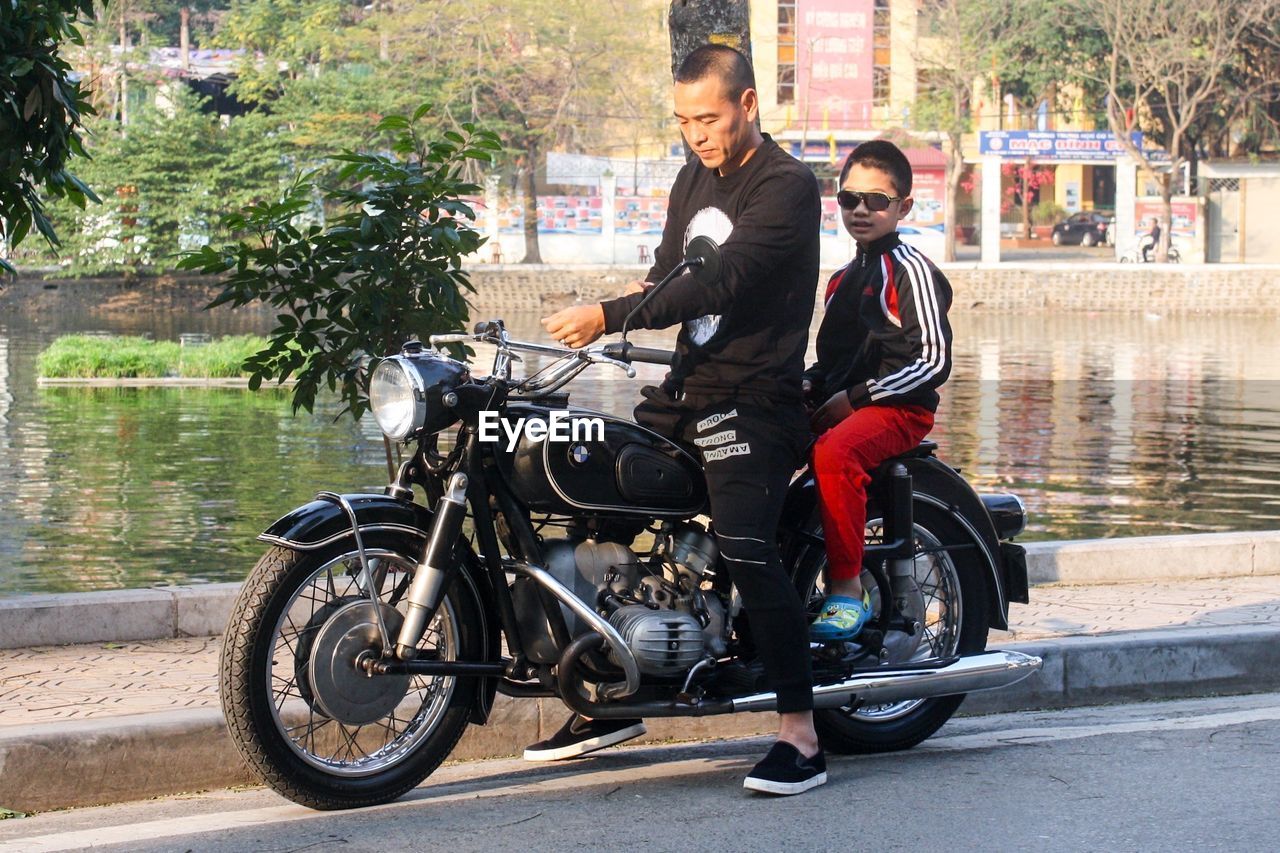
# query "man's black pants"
(750, 449)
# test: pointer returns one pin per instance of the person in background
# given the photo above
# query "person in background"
(1152, 240)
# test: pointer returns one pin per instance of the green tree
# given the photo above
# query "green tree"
(387, 269)
(1246, 121)
(1166, 71)
(41, 111)
(284, 40)
(964, 34)
(548, 76)
(167, 181)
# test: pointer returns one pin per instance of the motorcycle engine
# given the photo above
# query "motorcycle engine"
(658, 605)
(666, 618)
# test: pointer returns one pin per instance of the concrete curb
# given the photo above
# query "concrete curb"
(92, 762)
(199, 611)
(1153, 558)
(115, 615)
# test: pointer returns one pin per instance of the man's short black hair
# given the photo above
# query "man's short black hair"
(883, 155)
(733, 69)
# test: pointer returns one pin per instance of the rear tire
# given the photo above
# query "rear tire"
(275, 702)
(955, 623)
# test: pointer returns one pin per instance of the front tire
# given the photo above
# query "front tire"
(954, 593)
(280, 708)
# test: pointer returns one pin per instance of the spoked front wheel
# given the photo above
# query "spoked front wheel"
(303, 713)
(949, 599)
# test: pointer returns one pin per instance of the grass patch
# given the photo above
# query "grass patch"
(96, 357)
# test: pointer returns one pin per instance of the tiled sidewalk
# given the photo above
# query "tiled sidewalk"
(49, 684)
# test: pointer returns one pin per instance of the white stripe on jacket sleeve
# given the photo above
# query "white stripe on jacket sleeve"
(933, 356)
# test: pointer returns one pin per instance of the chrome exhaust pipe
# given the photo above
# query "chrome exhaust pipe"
(985, 671)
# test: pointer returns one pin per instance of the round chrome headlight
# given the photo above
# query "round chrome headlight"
(405, 393)
(396, 400)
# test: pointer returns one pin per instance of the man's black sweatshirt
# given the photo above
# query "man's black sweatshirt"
(747, 333)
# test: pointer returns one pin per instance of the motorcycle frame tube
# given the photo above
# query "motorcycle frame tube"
(524, 547)
(599, 627)
(490, 550)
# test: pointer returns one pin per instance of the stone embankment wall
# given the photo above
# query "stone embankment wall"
(1007, 287)
(1013, 287)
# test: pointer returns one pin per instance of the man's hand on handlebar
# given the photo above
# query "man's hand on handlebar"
(577, 326)
(636, 287)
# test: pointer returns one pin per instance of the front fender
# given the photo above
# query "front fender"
(321, 523)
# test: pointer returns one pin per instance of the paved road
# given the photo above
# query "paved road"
(1196, 774)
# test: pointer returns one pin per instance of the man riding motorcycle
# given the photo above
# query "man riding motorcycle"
(734, 388)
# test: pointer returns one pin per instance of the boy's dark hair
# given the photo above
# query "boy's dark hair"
(883, 155)
(733, 69)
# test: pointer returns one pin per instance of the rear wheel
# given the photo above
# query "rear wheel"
(1088, 241)
(952, 602)
(309, 722)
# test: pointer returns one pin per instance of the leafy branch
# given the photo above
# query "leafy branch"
(386, 269)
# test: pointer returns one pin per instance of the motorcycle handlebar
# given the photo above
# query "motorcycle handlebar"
(631, 353)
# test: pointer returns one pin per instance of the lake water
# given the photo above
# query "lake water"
(1105, 425)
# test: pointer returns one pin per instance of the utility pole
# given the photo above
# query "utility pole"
(693, 23)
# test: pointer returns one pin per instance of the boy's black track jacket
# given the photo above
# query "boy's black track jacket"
(746, 334)
(885, 338)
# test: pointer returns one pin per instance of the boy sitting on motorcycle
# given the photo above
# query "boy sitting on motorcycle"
(883, 349)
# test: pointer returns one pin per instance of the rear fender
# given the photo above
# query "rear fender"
(941, 486)
(321, 523)
(938, 485)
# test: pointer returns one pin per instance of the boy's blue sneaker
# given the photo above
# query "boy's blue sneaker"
(841, 618)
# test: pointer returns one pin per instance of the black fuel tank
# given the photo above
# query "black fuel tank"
(627, 470)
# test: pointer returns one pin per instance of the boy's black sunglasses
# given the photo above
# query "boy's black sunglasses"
(876, 201)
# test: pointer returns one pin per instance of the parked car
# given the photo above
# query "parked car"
(1087, 228)
(930, 241)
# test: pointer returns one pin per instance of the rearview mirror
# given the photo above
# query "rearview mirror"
(701, 260)
(703, 257)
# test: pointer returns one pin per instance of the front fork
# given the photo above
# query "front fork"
(429, 581)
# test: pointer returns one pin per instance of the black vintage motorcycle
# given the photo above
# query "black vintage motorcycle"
(379, 626)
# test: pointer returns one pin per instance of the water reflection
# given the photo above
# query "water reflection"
(1106, 426)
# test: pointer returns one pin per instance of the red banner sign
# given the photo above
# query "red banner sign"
(833, 62)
